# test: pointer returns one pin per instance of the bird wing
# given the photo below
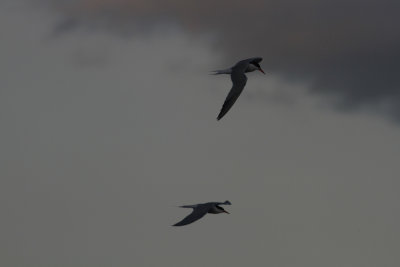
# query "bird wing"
(245, 62)
(196, 214)
(227, 202)
(255, 59)
(239, 80)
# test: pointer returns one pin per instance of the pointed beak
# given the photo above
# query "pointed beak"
(261, 70)
(226, 212)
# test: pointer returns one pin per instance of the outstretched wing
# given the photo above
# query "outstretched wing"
(227, 202)
(243, 63)
(255, 59)
(239, 80)
(196, 214)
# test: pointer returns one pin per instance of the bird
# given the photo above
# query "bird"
(199, 210)
(239, 80)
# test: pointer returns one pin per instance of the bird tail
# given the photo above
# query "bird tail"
(225, 71)
(188, 206)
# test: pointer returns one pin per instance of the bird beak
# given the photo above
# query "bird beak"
(226, 212)
(261, 70)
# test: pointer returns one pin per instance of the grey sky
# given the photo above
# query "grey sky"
(347, 50)
(103, 136)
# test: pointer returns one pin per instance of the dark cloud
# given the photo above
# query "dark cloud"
(347, 49)
(103, 137)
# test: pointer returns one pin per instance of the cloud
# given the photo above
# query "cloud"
(96, 155)
(346, 49)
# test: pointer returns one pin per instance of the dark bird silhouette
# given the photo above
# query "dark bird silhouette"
(239, 80)
(199, 210)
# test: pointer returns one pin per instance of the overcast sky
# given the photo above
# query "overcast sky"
(108, 124)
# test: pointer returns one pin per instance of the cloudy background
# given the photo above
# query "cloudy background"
(107, 117)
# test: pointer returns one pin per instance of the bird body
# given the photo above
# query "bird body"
(199, 210)
(239, 80)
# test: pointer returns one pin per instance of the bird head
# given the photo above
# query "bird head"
(222, 210)
(258, 66)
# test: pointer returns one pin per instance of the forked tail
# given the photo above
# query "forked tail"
(225, 71)
(188, 206)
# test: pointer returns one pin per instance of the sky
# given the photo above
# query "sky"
(108, 119)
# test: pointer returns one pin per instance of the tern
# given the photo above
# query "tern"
(239, 80)
(199, 210)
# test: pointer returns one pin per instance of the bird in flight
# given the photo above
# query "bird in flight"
(239, 80)
(199, 210)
